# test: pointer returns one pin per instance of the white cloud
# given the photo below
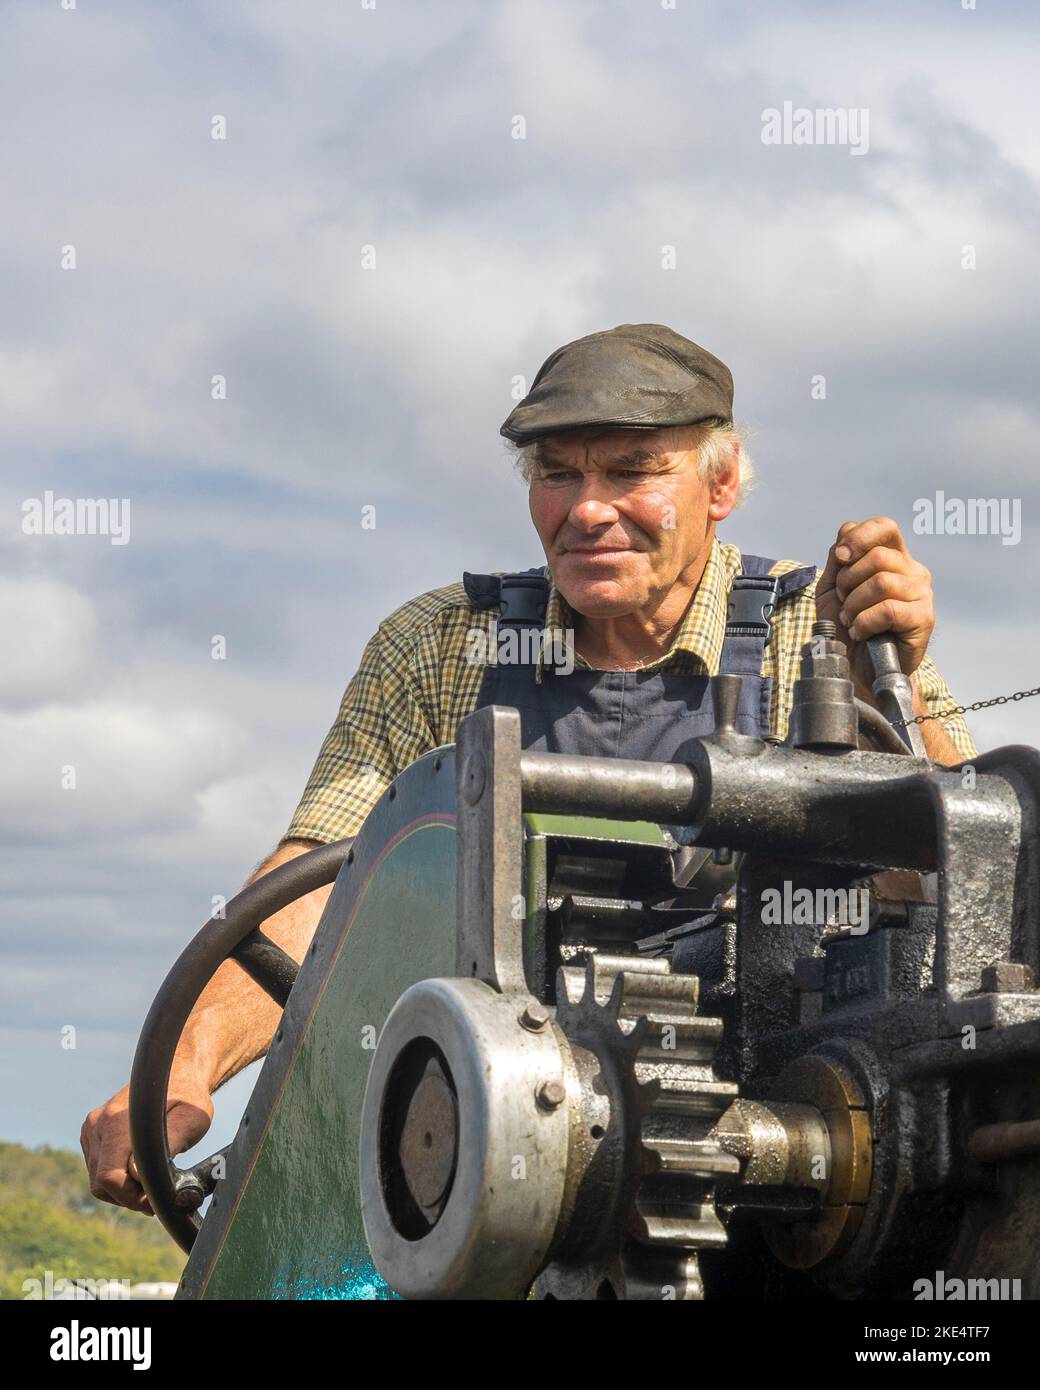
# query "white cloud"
(245, 815)
(52, 636)
(131, 768)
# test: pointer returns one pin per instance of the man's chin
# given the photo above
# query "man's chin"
(607, 586)
(602, 598)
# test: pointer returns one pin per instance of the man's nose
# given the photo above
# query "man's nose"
(593, 505)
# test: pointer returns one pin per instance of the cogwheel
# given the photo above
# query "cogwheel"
(652, 1053)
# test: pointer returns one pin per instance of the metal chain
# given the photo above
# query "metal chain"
(957, 709)
(967, 709)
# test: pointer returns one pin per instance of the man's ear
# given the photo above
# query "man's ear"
(722, 494)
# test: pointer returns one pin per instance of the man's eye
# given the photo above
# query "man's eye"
(560, 477)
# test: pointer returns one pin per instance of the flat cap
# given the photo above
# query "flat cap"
(638, 376)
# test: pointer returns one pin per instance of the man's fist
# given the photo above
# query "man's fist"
(105, 1138)
(872, 584)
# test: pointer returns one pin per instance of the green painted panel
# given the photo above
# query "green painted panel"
(285, 1222)
(292, 1228)
(640, 832)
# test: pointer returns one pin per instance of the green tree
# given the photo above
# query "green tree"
(49, 1221)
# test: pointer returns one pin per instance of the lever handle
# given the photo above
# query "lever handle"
(893, 691)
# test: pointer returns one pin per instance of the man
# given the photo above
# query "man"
(627, 441)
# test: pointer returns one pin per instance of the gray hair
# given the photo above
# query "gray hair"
(715, 444)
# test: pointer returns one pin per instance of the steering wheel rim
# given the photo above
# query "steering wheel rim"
(174, 1193)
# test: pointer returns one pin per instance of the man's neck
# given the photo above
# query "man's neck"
(636, 639)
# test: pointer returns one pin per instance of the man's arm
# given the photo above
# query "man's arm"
(948, 741)
(231, 1025)
(939, 742)
(872, 584)
(234, 1020)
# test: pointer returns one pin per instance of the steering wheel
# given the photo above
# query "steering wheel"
(175, 1193)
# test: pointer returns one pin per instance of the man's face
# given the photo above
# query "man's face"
(622, 514)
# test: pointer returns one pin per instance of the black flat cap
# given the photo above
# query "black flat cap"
(638, 376)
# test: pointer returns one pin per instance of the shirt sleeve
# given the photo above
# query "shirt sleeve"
(381, 727)
(936, 695)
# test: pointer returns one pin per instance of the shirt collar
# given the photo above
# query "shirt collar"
(698, 642)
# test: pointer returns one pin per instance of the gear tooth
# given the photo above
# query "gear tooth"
(705, 1099)
(647, 1094)
(696, 1158)
(570, 984)
(662, 1275)
(670, 998)
(694, 1227)
(593, 978)
(666, 1051)
(643, 993)
(692, 1287)
(604, 972)
(683, 1040)
(614, 1002)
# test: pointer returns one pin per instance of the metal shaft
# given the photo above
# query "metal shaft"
(893, 691)
(792, 800)
(569, 785)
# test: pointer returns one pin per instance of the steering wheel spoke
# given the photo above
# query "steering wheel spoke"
(264, 961)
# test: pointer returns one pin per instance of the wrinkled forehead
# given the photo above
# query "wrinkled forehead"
(599, 446)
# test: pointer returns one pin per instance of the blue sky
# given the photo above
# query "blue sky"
(346, 388)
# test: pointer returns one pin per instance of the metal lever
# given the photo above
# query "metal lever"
(893, 691)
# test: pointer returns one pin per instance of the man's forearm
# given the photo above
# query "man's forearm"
(234, 1020)
(938, 745)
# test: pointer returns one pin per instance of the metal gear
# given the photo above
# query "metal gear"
(635, 1031)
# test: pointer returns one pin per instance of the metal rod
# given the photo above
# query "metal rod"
(855, 809)
(996, 1143)
(877, 728)
(574, 786)
(264, 961)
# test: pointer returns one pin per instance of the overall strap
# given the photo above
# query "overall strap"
(521, 598)
(754, 595)
(522, 601)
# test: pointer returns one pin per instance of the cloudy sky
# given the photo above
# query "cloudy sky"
(392, 127)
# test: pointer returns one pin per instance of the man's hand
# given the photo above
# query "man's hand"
(105, 1138)
(872, 584)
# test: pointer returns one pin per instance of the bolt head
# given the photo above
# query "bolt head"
(474, 777)
(535, 1017)
(550, 1095)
